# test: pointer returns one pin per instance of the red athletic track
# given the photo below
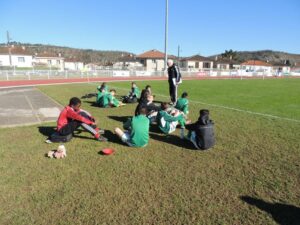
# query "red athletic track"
(20, 83)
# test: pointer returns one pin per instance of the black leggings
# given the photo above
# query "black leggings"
(173, 91)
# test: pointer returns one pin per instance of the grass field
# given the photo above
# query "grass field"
(251, 176)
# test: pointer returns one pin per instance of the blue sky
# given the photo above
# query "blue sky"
(198, 26)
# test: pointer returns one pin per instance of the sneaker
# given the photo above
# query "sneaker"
(102, 139)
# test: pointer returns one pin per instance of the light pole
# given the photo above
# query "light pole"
(166, 34)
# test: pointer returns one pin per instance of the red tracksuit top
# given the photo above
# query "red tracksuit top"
(69, 113)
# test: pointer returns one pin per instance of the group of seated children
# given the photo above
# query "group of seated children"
(201, 133)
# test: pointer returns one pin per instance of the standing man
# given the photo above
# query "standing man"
(174, 78)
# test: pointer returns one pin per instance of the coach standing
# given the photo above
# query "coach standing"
(174, 78)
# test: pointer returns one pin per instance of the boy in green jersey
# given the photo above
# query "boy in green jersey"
(109, 100)
(133, 95)
(137, 134)
(168, 122)
(182, 103)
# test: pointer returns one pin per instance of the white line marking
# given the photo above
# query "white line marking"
(227, 107)
(33, 111)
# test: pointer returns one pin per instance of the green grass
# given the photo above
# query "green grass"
(166, 182)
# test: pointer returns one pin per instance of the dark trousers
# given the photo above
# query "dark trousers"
(173, 91)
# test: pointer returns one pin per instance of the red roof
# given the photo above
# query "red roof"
(153, 54)
(255, 63)
(197, 58)
(15, 50)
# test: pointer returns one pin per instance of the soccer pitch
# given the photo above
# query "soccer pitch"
(251, 176)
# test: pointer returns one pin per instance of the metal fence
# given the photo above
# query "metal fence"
(56, 74)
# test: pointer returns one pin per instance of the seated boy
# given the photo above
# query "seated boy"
(182, 103)
(167, 122)
(133, 95)
(137, 134)
(71, 117)
(152, 109)
(201, 133)
(108, 100)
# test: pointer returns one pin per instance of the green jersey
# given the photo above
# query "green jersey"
(140, 130)
(99, 96)
(136, 91)
(183, 105)
(165, 119)
(108, 99)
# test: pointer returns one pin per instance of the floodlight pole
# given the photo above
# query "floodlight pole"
(166, 34)
(9, 49)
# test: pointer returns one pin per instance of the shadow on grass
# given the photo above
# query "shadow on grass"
(93, 104)
(283, 214)
(173, 140)
(119, 118)
(47, 131)
(113, 138)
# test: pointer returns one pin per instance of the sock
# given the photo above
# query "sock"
(182, 133)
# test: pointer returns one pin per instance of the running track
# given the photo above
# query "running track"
(20, 83)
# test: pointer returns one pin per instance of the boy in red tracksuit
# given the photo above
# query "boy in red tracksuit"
(71, 117)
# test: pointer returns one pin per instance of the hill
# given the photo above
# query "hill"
(264, 55)
(84, 55)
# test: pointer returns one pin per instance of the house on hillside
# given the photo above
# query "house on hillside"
(258, 67)
(128, 62)
(197, 63)
(15, 56)
(73, 64)
(153, 60)
(49, 60)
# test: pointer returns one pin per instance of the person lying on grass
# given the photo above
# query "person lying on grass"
(182, 103)
(72, 117)
(133, 95)
(201, 133)
(168, 120)
(137, 130)
(109, 100)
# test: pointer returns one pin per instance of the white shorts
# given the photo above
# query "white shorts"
(173, 126)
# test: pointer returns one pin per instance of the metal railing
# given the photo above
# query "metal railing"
(57, 74)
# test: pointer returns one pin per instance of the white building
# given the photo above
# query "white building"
(15, 56)
(128, 62)
(258, 67)
(49, 60)
(73, 64)
(196, 63)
